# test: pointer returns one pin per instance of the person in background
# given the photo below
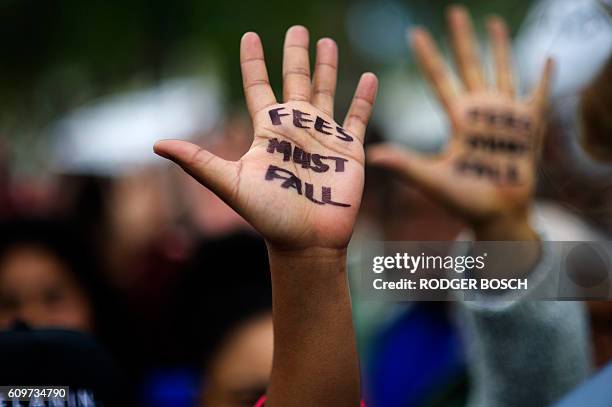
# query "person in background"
(240, 372)
(47, 279)
(235, 344)
(596, 138)
(486, 175)
(65, 358)
(221, 328)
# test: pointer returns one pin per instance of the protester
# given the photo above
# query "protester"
(48, 278)
(487, 176)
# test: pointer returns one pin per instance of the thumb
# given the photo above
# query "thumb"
(541, 92)
(423, 171)
(540, 98)
(213, 172)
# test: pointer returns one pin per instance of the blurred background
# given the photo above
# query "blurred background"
(98, 235)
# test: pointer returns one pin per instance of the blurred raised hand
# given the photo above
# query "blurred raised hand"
(300, 183)
(487, 172)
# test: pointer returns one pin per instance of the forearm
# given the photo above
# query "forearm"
(512, 260)
(505, 228)
(315, 356)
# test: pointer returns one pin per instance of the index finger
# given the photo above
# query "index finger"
(433, 65)
(539, 96)
(257, 90)
(465, 49)
(360, 110)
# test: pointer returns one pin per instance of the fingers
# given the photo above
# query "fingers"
(500, 45)
(211, 171)
(361, 107)
(540, 94)
(465, 49)
(540, 100)
(414, 167)
(325, 76)
(296, 65)
(255, 80)
(433, 66)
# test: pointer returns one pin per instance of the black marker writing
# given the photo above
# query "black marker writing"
(310, 194)
(275, 115)
(499, 119)
(301, 120)
(339, 162)
(319, 166)
(491, 172)
(283, 147)
(298, 119)
(346, 136)
(512, 174)
(327, 197)
(321, 126)
(290, 180)
(496, 144)
(301, 157)
(304, 158)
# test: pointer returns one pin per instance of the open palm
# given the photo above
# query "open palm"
(300, 183)
(488, 167)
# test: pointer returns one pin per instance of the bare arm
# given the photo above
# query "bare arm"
(300, 186)
(315, 353)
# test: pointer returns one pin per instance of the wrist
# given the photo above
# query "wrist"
(313, 326)
(304, 274)
(308, 255)
(513, 260)
(515, 227)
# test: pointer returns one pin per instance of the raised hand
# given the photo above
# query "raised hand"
(301, 182)
(488, 169)
(300, 185)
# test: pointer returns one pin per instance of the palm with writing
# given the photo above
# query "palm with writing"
(300, 183)
(488, 168)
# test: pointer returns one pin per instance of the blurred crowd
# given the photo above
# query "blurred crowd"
(112, 242)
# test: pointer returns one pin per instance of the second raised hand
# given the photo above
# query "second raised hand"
(300, 183)
(488, 168)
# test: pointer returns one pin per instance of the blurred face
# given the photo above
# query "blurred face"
(240, 372)
(36, 288)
